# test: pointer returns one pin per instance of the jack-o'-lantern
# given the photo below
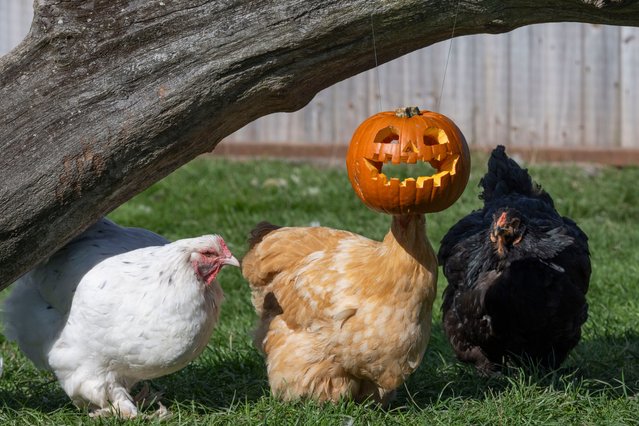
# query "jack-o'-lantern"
(408, 135)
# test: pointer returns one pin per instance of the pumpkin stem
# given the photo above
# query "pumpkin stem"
(407, 112)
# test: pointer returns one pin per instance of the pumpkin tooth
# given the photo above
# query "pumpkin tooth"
(451, 164)
(373, 166)
(408, 182)
(436, 153)
(412, 158)
(421, 180)
(440, 177)
(396, 159)
(428, 154)
(425, 184)
(394, 186)
(440, 151)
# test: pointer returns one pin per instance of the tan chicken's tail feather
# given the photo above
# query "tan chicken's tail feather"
(259, 232)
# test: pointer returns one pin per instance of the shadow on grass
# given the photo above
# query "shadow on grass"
(607, 366)
(218, 384)
(215, 382)
(609, 361)
(42, 394)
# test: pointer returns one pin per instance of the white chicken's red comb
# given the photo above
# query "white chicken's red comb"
(224, 250)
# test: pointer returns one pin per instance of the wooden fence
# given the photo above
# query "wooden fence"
(538, 88)
(15, 20)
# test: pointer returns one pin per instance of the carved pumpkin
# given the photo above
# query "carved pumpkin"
(408, 136)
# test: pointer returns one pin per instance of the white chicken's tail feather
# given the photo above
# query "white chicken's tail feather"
(30, 321)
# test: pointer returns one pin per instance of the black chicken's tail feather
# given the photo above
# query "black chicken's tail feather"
(505, 176)
(259, 232)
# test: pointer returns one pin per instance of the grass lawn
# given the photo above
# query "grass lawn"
(597, 385)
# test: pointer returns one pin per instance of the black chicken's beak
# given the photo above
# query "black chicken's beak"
(498, 233)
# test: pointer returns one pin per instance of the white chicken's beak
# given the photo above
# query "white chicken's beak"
(231, 261)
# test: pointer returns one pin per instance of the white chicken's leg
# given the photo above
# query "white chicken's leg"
(120, 404)
(145, 398)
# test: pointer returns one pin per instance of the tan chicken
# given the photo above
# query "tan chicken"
(341, 315)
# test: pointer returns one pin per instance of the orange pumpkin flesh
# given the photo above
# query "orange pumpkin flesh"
(408, 136)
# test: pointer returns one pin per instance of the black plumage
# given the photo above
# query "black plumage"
(517, 273)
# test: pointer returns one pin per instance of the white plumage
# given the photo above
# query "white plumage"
(116, 306)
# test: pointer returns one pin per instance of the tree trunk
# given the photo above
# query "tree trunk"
(105, 97)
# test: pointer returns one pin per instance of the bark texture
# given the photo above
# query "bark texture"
(105, 97)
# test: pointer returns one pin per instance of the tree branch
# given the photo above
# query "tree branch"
(104, 98)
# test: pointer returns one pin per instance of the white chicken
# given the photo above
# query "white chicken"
(116, 306)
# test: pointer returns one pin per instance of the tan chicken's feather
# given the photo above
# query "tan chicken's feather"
(341, 315)
(281, 263)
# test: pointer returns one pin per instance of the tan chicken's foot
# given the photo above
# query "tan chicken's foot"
(372, 394)
(386, 397)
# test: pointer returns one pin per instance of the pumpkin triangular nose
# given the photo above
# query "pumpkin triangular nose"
(410, 147)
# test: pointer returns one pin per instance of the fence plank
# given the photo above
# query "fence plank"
(629, 87)
(553, 85)
(549, 85)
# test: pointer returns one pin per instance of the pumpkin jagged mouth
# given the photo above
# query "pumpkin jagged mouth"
(438, 156)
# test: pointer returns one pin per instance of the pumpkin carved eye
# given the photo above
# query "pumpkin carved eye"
(408, 136)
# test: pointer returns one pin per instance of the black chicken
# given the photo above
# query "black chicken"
(518, 274)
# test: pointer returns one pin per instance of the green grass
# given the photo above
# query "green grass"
(227, 384)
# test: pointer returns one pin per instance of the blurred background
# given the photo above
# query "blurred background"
(557, 91)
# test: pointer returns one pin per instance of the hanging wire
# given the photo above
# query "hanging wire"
(379, 86)
(450, 48)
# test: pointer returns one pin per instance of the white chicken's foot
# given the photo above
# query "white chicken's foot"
(121, 405)
(161, 413)
(120, 412)
(101, 412)
(127, 409)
